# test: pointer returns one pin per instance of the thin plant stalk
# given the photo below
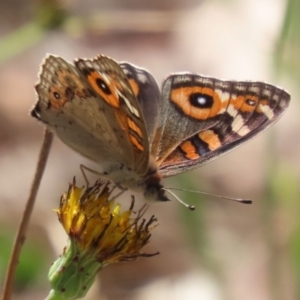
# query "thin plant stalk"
(21, 234)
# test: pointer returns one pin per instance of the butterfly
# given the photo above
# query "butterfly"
(114, 114)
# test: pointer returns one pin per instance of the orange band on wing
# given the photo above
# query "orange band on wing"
(136, 143)
(134, 86)
(211, 139)
(134, 127)
(189, 150)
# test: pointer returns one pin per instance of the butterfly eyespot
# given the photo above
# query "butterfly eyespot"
(103, 86)
(56, 95)
(201, 100)
(251, 102)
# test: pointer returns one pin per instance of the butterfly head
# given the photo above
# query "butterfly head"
(155, 192)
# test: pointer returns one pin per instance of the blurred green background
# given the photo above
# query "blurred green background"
(222, 250)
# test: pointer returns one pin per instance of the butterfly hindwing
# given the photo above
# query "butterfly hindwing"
(147, 93)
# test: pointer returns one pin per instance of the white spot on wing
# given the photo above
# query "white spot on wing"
(266, 93)
(224, 96)
(254, 89)
(106, 77)
(267, 111)
(237, 123)
(142, 77)
(88, 64)
(132, 109)
(243, 131)
(232, 111)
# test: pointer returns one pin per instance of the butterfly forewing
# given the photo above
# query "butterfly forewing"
(244, 109)
(110, 82)
(93, 109)
(179, 119)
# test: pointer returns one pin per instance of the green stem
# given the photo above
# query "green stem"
(21, 39)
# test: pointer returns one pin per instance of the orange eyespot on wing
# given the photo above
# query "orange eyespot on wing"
(244, 104)
(198, 102)
(58, 97)
(59, 83)
(105, 88)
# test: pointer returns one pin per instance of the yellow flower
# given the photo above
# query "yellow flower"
(99, 234)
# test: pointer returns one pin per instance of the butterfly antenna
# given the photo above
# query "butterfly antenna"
(190, 207)
(244, 201)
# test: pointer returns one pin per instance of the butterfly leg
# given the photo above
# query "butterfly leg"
(122, 191)
(83, 168)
